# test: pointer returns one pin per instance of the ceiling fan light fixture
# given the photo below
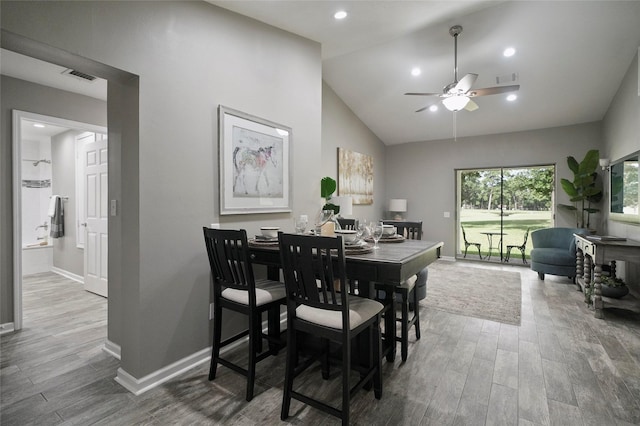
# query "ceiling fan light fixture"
(509, 51)
(455, 103)
(433, 108)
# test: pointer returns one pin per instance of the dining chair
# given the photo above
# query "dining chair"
(521, 247)
(347, 223)
(410, 292)
(467, 244)
(320, 303)
(235, 288)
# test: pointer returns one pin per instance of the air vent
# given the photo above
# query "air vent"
(507, 78)
(79, 75)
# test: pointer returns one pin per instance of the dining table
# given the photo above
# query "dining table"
(389, 266)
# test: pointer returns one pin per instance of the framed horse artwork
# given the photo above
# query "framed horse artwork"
(254, 156)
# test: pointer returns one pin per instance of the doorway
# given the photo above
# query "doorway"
(499, 207)
(53, 143)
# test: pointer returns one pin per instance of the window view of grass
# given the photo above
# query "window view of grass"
(507, 202)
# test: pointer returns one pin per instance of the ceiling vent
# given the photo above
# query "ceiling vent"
(79, 75)
(507, 78)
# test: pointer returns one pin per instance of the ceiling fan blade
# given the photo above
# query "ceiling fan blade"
(465, 83)
(471, 106)
(422, 109)
(493, 90)
(423, 94)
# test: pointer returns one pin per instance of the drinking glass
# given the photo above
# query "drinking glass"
(300, 223)
(376, 233)
(322, 218)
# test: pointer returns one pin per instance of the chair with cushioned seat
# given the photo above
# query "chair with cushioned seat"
(320, 303)
(236, 289)
(554, 251)
(411, 291)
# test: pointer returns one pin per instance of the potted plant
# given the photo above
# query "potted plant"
(583, 191)
(613, 287)
(327, 188)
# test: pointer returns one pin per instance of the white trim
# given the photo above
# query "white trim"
(18, 116)
(448, 258)
(112, 349)
(6, 328)
(68, 274)
(158, 377)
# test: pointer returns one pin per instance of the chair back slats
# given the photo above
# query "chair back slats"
(314, 270)
(347, 223)
(229, 259)
(411, 230)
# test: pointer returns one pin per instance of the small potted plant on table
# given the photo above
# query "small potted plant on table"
(613, 287)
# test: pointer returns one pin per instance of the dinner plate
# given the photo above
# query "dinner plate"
(263, 243)
(393, 239)
(358, 249)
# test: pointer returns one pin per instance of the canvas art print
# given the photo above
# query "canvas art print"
(355, 176)
(254, 164)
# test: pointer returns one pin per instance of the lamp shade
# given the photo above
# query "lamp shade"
(345, 203)
(397, 205)
(455, 103)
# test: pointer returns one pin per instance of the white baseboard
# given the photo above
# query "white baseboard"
(158, 377)
(112, 349)
(6, 328)
(448, 258)
(68, 274)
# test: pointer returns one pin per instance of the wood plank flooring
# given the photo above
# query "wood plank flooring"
(561, 366)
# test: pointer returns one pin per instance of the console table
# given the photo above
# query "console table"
(591, 254)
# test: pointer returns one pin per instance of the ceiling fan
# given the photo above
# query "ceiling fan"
(457, 95)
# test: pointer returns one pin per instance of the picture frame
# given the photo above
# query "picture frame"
(355, 176)
(254, 164)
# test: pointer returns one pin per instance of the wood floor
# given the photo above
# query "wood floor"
(560, 367)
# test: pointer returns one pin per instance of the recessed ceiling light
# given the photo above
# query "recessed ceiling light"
(416, 71)
(509, 51)
(433, 108)
(340, 14)
(38, 125)
(512, 97)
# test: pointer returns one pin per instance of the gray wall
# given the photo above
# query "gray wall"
(190, 57)
(66, 255)
(30, 97)
(341, 128)
(423, 172)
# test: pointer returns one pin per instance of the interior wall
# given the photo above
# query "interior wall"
(66, 255)
(190, 57)
(30, 97)
(341, 128)
(424, 172)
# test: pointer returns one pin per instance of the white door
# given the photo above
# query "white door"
(94, 158)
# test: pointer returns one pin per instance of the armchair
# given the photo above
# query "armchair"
(554, 251)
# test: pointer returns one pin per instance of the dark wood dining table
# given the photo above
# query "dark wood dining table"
(389, 265)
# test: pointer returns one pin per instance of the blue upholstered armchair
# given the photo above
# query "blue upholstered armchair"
(554, 251)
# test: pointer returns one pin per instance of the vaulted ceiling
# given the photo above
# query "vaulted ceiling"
(571, 57)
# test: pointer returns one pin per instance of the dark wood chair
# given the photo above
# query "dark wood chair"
(236, 289)
(409, 291)
(319, 303)
(467, 243)
(347, 223)
(521, 247)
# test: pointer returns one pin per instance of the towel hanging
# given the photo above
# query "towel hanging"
(56, 212)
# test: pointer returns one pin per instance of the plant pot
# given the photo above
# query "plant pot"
(614, 292)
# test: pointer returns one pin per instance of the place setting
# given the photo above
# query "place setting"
(353, 242)
(268, 237)
(384, 234)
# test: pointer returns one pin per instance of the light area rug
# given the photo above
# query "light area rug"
(475, 292)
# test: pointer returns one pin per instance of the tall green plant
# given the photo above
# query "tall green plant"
(327, 188)
(583, 191)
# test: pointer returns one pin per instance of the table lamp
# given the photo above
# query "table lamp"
(397, 206)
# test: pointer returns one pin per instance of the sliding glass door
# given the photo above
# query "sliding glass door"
(499, 207)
